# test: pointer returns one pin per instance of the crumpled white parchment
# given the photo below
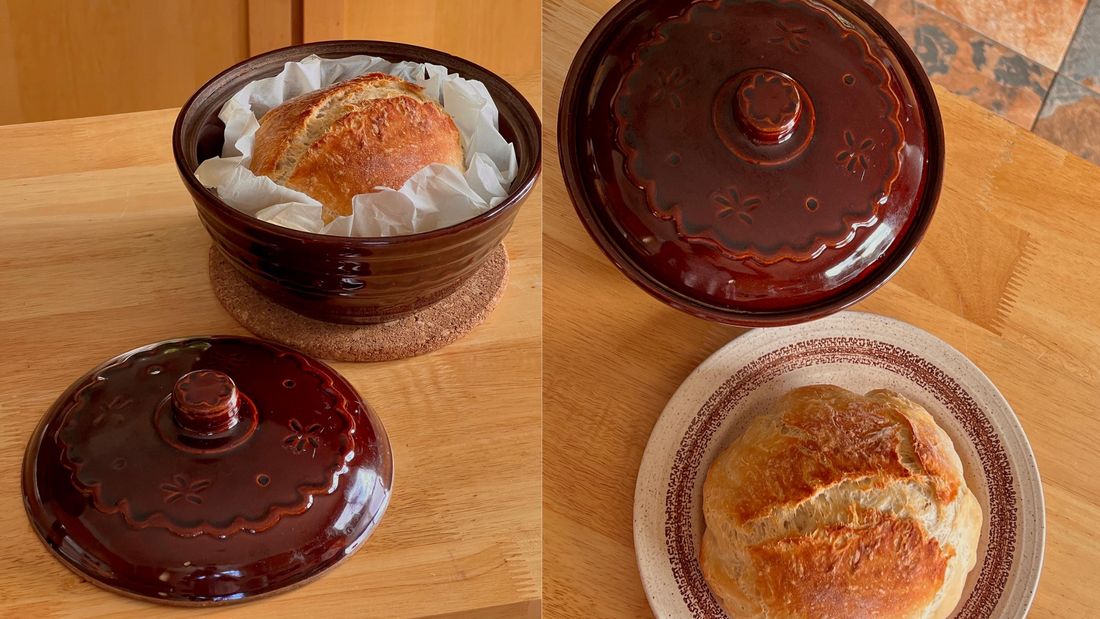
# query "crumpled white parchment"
(435, 197)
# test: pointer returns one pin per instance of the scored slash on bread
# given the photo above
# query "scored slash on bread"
(372, 131)
(836, 505)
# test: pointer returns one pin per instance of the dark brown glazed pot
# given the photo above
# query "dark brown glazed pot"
(350, 279)
(751, 162)
(207, 470)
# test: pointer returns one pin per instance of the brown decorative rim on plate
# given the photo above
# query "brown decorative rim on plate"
(860, 352)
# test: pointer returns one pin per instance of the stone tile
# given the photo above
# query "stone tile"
(970, 64)
(1082, 63)
(1038, 29)
(1071, 118)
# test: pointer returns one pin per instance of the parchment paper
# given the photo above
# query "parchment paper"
(435, 197)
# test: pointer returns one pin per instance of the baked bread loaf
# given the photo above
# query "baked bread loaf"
(373, 131)
(839, 506)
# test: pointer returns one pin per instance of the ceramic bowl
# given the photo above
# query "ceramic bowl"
(350, 279)
(860, 352)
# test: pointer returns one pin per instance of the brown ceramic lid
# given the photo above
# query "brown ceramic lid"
(755, 162)
(207, 470)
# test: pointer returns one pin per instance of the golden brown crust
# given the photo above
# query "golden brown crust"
(373, 131)
(380, 145)
(931, 446)
(842, 571)
(278, 128)
(839, 505)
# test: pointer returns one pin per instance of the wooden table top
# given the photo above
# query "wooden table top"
(1009, 274)
(101, 251)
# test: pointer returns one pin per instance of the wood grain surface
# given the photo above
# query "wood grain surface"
(492, 33)
(101, 251)
(1008, 274)
(273, 24)
(73, 58)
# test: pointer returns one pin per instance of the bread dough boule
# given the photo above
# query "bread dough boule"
(372, 131)
(837, 506)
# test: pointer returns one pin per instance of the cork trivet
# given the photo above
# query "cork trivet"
(424, 331)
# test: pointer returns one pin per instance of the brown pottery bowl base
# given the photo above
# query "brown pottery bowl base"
(426, 330)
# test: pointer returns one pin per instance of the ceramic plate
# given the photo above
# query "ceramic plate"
(859, 352)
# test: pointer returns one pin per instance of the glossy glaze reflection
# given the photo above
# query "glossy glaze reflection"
(128, 489)
(751, 161)
(350, 279)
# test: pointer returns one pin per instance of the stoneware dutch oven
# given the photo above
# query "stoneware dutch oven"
(752, 162)
(346, 279)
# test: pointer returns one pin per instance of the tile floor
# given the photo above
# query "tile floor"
(1034, 62)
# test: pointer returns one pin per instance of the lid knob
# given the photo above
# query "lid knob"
(205, 402)
(768, 105)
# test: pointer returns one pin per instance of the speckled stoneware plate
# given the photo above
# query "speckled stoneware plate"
(859, 352)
